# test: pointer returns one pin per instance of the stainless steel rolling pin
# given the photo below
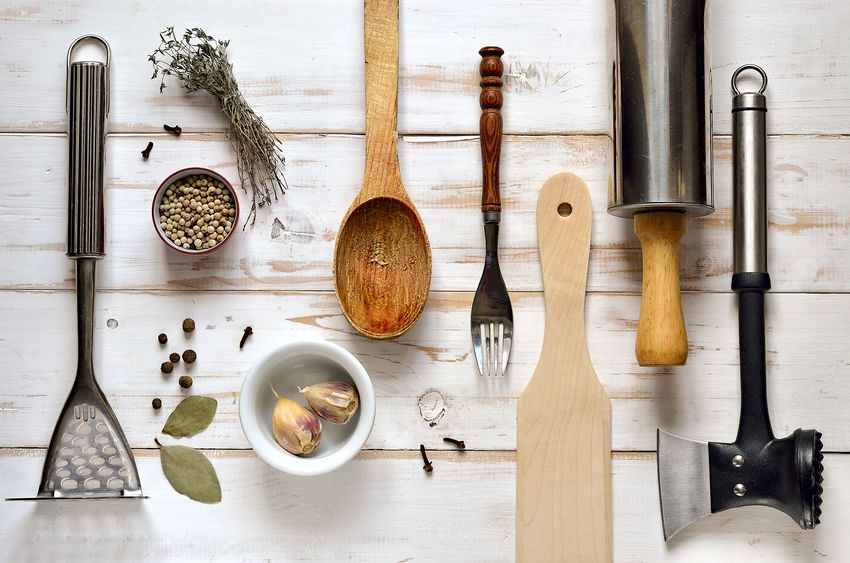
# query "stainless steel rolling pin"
(663, 163)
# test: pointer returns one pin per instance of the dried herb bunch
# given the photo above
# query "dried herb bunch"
(200, 62)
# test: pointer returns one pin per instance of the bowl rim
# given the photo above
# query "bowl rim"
(157, 197)
(271, 452)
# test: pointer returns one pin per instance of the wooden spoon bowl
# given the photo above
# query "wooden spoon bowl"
(382, 259)
(382, 280)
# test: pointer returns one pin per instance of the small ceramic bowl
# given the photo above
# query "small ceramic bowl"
(163, 187)
(299, 364)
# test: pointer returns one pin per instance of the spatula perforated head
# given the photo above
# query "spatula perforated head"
(88, 455)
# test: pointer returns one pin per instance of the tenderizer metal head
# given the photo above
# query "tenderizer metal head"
(698, 478)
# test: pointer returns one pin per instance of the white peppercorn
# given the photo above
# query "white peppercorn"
(196, 212)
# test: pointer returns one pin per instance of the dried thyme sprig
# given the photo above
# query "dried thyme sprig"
(200, 62)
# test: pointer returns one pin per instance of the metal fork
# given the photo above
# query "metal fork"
(492, 315)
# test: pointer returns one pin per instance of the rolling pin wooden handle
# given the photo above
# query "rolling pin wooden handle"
(661, 336)
(491, 125)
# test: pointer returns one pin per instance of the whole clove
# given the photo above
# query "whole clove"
(189, 356)
(174, 357)
(163, 338)
(147, 152)
(248, 332)
(427, 467)
(166, 367)
(176, 129)
(185, 381)
(459, 443)
(156, 403)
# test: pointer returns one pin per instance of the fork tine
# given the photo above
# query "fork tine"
(485, 343)
(506, 348)
(500, 333)
(477, 330)
(492, 346)
(485, 346)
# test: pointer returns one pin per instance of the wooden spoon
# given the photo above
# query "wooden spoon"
(563, 487)
(382, 259)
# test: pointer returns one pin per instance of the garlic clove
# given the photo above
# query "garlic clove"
(335, 401)
(295, 427)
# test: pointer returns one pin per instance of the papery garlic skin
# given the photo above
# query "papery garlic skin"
(335, 401)
(296, 428)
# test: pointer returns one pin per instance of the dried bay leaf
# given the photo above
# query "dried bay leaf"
(190, 473)
(191, 416)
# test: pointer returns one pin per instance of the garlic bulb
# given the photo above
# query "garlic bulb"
(335, 401)
(295, 427)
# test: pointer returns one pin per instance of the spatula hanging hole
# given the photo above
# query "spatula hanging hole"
(565, 209)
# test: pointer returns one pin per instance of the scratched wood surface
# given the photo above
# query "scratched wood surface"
(300, 65)
(291, 245)
(383, 507)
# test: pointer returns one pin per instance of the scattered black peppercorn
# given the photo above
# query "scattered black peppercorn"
(174, 357)
(248, 332)
(156, 403)
(459, 443)
(166, 367)
(162, 338)
(188, 325)
(147, 152)
(185, 381)
(427, 467)
(189, 356)
(176, 129)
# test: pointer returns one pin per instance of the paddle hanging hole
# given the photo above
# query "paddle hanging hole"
(565, 209)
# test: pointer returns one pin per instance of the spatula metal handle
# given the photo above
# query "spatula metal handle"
(87, 97)
(491, 126)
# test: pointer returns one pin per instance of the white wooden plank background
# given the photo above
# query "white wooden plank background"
(300, 65)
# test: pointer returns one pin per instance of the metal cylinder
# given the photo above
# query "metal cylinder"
(87, 100)
(749, 142)
(662, 109)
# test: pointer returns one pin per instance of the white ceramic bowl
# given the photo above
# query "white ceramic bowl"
(298, 364)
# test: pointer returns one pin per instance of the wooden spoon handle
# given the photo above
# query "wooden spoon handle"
(381, 41)
(661, 336)
(491, 125)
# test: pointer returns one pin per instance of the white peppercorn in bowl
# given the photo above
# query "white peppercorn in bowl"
(209, 217)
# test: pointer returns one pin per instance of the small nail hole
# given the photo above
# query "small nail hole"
(565, 209)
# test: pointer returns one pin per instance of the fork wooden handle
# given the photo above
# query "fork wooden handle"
(491, 125)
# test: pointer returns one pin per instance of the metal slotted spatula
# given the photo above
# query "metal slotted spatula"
(88, 455)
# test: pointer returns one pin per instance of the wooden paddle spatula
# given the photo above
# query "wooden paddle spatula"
(564, 417)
